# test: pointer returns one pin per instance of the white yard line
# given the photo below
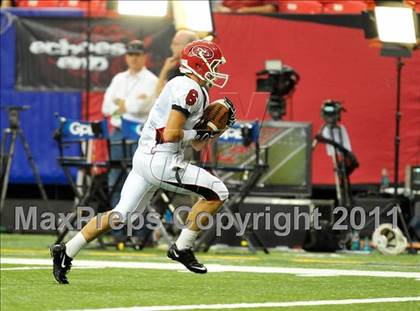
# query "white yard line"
(216, 268)
(24, 268)
(39, 268)
(263, 305)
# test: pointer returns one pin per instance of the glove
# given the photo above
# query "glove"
(232, 113)
(204, 134)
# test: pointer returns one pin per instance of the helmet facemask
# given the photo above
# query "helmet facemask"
(212, 77)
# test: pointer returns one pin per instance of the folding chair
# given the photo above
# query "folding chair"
(245, 134)
(131, 134)
(74, 139)
(97, 7)
(38, 3)
(345, 7)
(300, 7)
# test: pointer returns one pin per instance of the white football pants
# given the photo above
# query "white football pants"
(158, 170)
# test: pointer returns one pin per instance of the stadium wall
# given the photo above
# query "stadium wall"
(333, 62)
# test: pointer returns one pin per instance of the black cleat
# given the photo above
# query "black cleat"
(187, 258)
(61, 262)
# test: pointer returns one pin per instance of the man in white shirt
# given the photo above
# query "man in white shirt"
(130, 96)
(131, 92)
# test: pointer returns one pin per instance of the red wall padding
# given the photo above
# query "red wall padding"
(333, 62)
(100, 149)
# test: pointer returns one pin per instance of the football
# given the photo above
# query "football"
(215, 116)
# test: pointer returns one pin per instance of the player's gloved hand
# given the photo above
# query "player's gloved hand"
(232, 112)
(204, 134)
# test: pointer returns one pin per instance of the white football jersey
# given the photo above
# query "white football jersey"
(180, 93)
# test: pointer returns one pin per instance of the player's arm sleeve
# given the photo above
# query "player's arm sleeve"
(185, 101)
(108, 105)
(144, 100)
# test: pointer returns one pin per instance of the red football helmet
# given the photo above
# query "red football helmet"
(202, 58)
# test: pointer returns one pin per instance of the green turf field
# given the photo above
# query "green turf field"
(135, 286)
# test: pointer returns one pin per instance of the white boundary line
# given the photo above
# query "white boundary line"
(263, 305)
(306, 272)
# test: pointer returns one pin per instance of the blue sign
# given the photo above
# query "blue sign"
(77, 130)
(241, 132)
(131, 129)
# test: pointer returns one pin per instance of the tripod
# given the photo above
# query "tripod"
(340, 155)
(6, 156)
(396, 202)
(400, 64)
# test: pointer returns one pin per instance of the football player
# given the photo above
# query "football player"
(158, 161)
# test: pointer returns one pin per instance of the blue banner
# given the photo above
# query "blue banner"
(77, 130)
(241, 133)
